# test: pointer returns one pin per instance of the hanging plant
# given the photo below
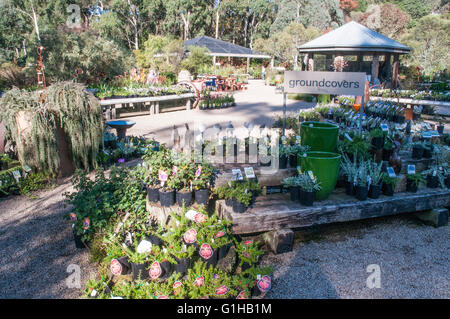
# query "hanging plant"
(33, 125)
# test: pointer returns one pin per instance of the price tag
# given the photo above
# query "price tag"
(249, 172)
(411, 169)
(391, 172)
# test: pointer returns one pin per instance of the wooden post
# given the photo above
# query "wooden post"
(248, 64)
(311, 63)
(188, 104)
(280, 241)
(375, 66)
(437, 217)
(157, 107)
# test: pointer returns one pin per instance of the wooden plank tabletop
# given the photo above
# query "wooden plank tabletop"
(277, 211)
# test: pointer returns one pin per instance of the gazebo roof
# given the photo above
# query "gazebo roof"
(222, 48)
(353, 37)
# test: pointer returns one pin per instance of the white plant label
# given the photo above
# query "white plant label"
(391, 172)
(384, 127)
(190, 214)
(16, 175)
(249, 172)
(236, 174)
(144, 247)
(411, 169)
(348, 137)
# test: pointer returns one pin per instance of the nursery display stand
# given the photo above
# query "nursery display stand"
(276, 212)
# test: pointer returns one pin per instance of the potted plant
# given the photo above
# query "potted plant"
(203, 178)
(242, 197)
(248, 252)
(428, 150)
(441, 126)
(167, 191)
(377, 138)
(349, 171)
(412, 182)
(284, 152)
(308, 188)
(182, 175)
(138, 262)
(388, 149)
(417, 150)
(375, 174)
(362, 179)
(434, 176)
(293, 184)
(389, 184)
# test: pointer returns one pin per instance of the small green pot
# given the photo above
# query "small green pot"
(325, 166)
(319, 136)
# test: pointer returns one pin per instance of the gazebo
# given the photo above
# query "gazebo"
(365, 50)
(219, 48)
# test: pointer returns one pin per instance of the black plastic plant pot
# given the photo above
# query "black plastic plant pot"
(182, 265)
(282, 163)
(184, 197)
(202, 196)
(427, 153)
(78, 242)
(374, 191)
(388, 190)
(139, 271)
(417, 152)
(440, 129)
(153, 194)
(411, 186)
(245, 266)
(432, 181)
(212, 261)
(223, 251)
(239, 207)
(361, 192)
(295, 193)
(447, 182)
(307, 198)
(386, 155)
(293, 160)
(167, 198)
(229, 202)
(166, 268)
(155, 240)
(377, 142)
(349, 188)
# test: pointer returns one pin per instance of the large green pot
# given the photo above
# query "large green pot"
(319, 136)
(325, 166)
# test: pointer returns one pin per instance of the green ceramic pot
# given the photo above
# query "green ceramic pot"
(319, 136)
(325, 166)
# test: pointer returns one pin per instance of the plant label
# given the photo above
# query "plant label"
(384, 127)
(16, 175)
(222, 290)
(236, 174)
(190, 214)
(155, 270)
(311, 175)
(348, 137)
(144, 247)
(249, 172)
(190, 236)
(391, 172)
(411, 169)
(206, 252)
(26, 168)
(264, 283)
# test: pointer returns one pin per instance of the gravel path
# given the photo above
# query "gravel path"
(37, 247)
(413, 258)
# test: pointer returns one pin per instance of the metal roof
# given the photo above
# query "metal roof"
(353, 36)
(222, 48)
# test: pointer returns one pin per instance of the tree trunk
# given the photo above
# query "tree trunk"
(35, 20)
(217, 22)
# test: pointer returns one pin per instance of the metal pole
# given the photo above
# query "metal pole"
(284, 112)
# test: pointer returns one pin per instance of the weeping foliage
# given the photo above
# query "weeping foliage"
(68, 107)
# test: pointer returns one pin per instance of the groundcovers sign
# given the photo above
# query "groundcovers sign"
(338, 83)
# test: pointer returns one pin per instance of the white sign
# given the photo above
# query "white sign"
(342, 83)
(411, 169)
(391, 172)
(249, 172)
